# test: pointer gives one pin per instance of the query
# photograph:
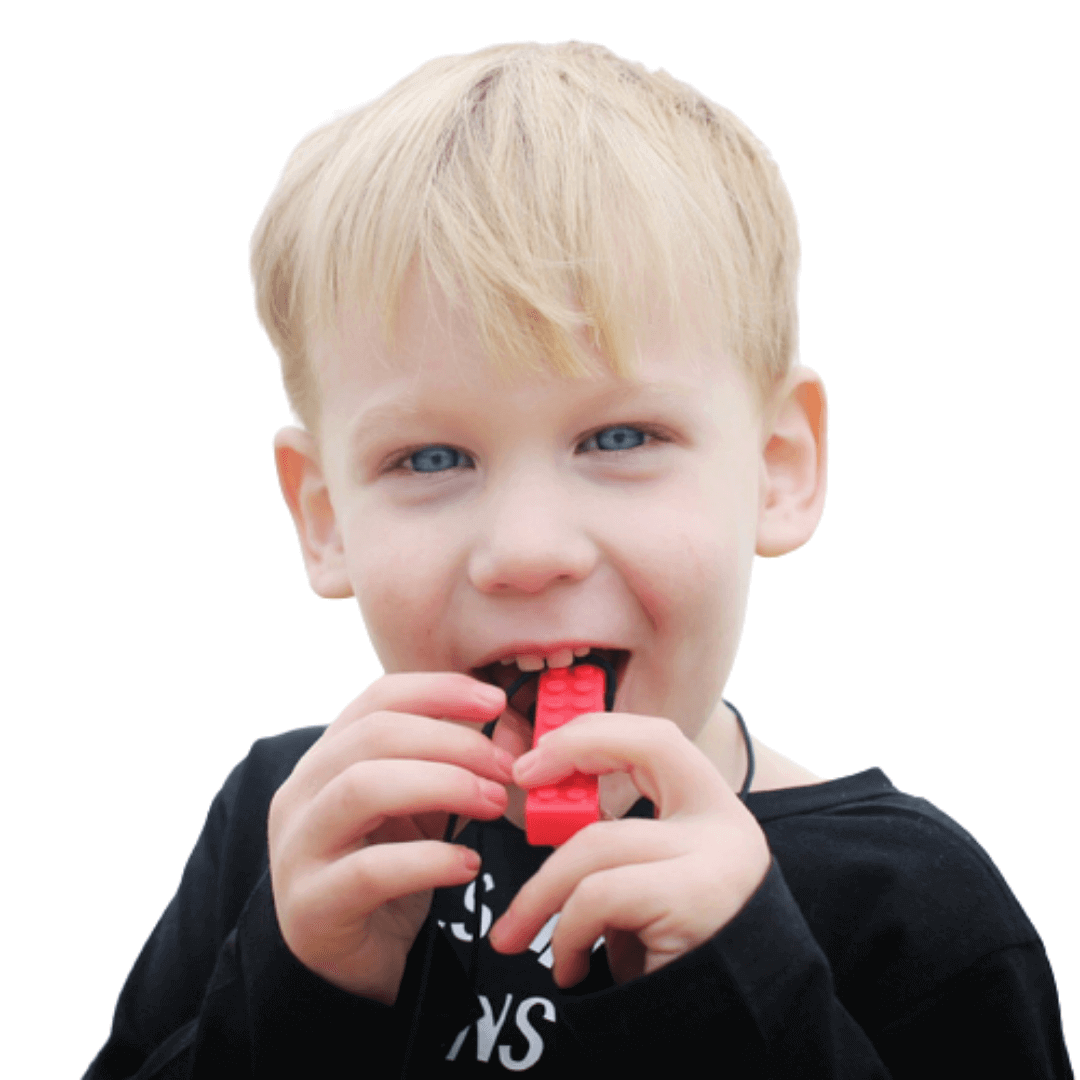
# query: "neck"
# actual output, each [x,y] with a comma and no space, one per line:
[721,741]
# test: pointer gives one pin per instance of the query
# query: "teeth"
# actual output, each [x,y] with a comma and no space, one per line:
[561,659]
[530,663]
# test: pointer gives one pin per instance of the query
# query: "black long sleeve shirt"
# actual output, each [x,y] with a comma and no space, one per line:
[883,942]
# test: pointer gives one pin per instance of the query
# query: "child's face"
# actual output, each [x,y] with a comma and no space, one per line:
[476,520]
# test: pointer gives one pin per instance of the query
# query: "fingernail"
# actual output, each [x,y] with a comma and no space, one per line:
[498,936]
[525,766]
[470,859]
[505,761]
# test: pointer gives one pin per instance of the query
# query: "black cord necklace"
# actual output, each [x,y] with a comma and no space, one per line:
[745,789]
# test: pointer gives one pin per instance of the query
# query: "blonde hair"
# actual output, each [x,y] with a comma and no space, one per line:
[559,189]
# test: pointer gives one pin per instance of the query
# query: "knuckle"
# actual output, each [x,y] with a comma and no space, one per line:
[345,798]
[281,817]
[664,730]
[374,731]
[593,893]
[661,738]
[380,721]
[365,878]
[671,729]
[350,790]
[357,708]
[277,811]
[597,839]
[303,923]
[385,733]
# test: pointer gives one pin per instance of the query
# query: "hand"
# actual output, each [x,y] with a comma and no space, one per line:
[355,833]
[655,889]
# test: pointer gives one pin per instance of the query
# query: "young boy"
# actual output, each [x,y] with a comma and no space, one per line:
[536,313]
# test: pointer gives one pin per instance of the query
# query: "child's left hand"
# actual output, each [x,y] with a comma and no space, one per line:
[654,888]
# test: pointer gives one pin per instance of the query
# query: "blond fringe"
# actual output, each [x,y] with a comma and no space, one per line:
[566,197]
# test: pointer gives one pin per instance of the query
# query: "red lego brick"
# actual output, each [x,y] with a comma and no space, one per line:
[555,812]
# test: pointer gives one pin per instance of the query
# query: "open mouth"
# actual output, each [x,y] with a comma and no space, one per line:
[504,675]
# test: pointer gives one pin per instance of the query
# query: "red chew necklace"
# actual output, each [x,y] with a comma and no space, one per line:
[555,812]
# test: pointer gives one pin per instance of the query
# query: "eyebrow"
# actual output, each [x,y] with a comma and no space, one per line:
[382,420]
[390,415]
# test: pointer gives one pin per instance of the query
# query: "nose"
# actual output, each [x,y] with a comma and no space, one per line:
[530,536]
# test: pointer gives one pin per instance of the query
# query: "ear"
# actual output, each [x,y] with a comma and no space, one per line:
[304,487]
[792,464]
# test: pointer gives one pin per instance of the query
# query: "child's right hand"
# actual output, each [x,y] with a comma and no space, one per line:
[355,833]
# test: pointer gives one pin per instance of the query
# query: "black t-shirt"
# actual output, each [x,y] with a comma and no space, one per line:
[520,1004]
[882,942]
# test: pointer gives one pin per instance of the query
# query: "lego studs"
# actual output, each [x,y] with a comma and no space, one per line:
[555,812]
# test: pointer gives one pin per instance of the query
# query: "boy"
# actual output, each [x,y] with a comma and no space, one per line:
[535,309]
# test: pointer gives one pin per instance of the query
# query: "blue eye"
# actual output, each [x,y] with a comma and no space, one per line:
[436,459]
[617,438]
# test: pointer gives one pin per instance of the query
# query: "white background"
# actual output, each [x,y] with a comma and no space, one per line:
[156,616]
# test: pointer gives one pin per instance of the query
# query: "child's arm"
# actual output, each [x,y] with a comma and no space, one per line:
[717,961]
[668,888]
[356,831]
[216,990]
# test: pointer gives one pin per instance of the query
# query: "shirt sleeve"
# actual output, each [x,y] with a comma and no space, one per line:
[215,991]
[760,1000]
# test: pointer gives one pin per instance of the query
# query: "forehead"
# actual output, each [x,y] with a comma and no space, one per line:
[437,361]
[433,341]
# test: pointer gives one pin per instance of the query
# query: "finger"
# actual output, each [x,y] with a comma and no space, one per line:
[442,694]
[390,735]
[672,908]
[365,795]
[663,763]
[596,848]
[352,888]
[513,733]
[624,898]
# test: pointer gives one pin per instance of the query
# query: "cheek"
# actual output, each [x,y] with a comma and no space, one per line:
[691,556]
[399,577]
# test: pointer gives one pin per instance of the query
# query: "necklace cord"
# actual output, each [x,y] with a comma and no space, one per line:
[745,789]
